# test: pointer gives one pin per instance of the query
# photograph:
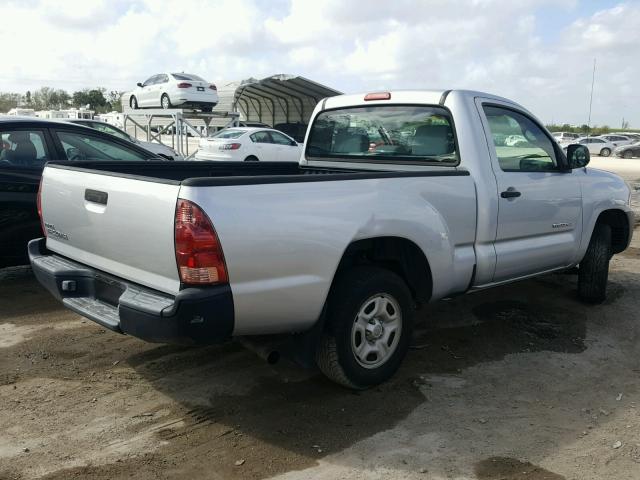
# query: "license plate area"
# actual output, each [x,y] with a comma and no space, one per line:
[200,89]
[108,291]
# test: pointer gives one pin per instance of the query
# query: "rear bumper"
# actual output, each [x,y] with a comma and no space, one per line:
[194,316]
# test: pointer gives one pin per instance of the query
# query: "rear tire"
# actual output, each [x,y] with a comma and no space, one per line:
[368,329]
[251,158]
[133,103]
[593,273]
[165,102]
[605,152]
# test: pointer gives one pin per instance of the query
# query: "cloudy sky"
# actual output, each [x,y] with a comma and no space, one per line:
[537,52]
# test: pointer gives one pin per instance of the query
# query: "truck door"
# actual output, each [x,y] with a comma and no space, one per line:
[539,205]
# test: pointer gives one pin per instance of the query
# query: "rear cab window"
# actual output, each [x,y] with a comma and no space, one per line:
[409,134]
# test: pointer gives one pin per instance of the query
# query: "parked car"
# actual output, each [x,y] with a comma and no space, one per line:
[171,90]
[635,137]
[27,143]
[249,144]
[563,137]
[328,258]
[515,141]
[156,148]
[596,145]
[628,151]
[616,140]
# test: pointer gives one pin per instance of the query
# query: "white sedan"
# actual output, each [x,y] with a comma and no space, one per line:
[169,90]
[249,145]
[596,145]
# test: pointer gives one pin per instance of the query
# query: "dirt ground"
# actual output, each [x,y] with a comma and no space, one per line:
[521,382]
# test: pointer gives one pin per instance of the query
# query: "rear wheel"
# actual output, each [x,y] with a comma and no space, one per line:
[593,273]
[368,330]
[605,152]
[133,103]
[628,154]
[165,102]
[251,158]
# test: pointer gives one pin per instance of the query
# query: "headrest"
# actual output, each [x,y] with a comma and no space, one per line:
[19,137]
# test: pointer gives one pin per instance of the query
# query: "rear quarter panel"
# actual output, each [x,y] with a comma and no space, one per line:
[283,241]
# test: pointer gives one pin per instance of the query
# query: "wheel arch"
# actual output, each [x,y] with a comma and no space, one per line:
[397,254]
[619,224]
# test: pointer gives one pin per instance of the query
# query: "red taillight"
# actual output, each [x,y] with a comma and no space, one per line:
[39,205]
[229,146]
[184,85]
[377,96]
[198,251]
[213,87]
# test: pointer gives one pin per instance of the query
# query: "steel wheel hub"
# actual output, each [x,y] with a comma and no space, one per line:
[376,330]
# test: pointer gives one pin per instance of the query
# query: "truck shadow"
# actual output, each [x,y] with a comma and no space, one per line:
[22,296]
[263,411]
[221,404]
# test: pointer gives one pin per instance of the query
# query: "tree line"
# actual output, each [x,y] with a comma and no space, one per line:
[47,98]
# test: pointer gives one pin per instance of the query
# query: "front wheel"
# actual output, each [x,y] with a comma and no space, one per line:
[593,272]
[133,103]
[368,330]
[628,154]
[605,152]
[206,108]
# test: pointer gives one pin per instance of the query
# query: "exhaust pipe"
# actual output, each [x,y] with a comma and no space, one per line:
[265,347]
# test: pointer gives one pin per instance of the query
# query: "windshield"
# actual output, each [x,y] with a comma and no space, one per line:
[186,76]
[398,133]
[229,134]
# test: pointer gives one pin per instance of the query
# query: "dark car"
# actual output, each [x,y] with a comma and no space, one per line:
[628,151]
[295,130]
[26,145]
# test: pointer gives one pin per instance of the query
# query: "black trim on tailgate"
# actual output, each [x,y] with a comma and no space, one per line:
[65,166]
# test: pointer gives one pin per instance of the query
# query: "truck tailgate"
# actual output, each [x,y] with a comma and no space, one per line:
[120,225]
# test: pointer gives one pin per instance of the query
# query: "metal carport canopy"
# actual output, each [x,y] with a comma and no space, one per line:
[279,99]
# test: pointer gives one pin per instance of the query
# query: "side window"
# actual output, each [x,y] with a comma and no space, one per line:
[163,78]
[81,147]
[23,148]
[280,139]
[526,147]
[261,137]
[150,81]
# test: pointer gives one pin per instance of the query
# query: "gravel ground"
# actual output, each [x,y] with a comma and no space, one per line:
[521,382]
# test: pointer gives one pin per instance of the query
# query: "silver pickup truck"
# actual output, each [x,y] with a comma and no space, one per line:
[400,198]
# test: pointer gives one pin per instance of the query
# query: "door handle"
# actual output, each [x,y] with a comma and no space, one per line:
[96,196]
[510,194]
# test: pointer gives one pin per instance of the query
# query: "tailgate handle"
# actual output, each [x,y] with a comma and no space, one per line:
[96,196]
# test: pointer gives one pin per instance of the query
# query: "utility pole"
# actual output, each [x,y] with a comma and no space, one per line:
[593,79]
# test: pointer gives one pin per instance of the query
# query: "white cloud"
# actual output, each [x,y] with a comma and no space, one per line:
[492,45]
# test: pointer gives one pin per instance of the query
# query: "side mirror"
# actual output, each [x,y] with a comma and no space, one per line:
[577,156]
[139,84]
